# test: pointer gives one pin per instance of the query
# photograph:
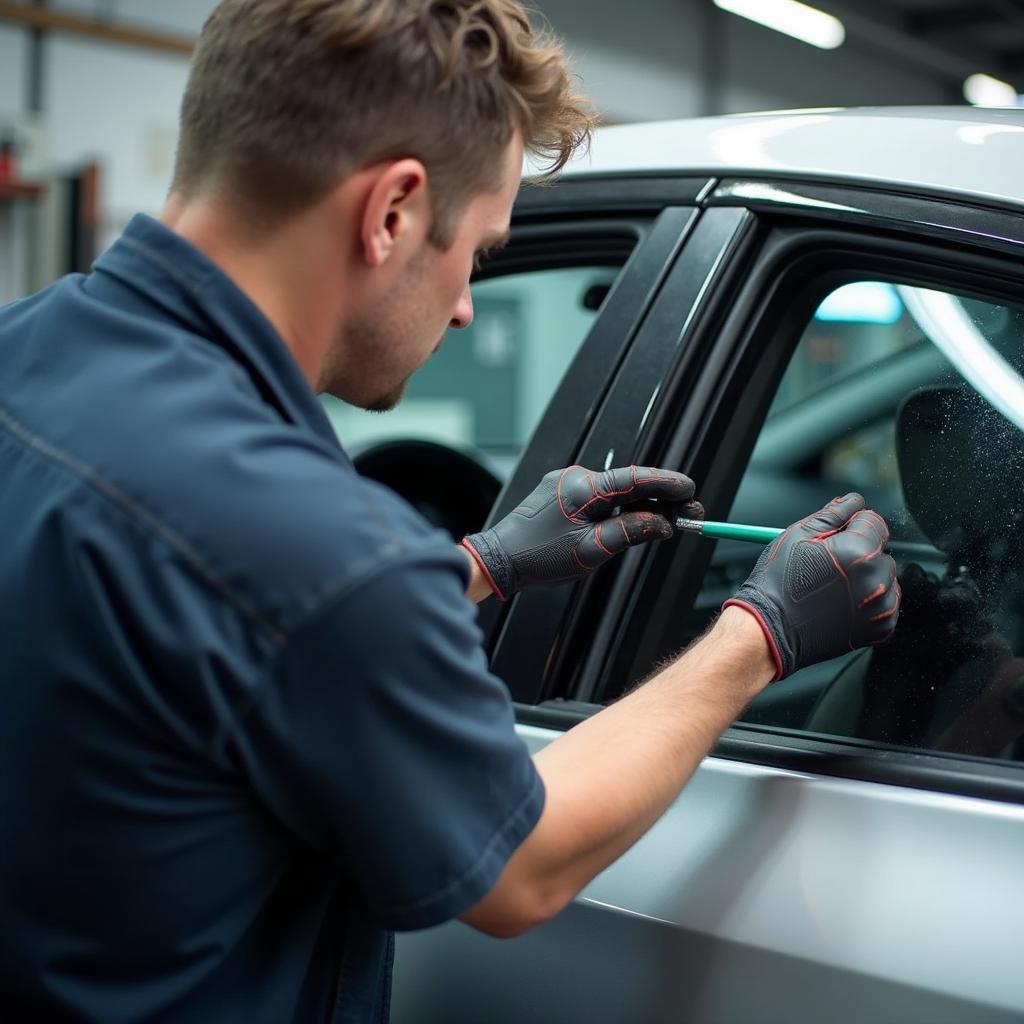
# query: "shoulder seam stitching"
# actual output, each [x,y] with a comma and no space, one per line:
[142,516]
[342,592]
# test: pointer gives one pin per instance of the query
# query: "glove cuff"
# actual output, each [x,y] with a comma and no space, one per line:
[492,561]
[773,646]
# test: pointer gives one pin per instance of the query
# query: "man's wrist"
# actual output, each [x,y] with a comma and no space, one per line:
[742,631]
[479,585]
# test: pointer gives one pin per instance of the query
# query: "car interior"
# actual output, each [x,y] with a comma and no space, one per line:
[942,456]
[962,624]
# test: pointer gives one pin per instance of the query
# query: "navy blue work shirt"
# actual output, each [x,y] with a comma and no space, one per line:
[246,724]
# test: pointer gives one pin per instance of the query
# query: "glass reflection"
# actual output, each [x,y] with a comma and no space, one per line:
[920,412]
[947,678]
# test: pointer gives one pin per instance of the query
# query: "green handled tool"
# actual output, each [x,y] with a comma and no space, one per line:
[730,531]
[766,534]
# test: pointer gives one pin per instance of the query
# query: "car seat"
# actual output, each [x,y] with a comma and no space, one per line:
[960,464]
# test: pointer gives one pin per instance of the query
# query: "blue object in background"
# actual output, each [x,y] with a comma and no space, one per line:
[865,302]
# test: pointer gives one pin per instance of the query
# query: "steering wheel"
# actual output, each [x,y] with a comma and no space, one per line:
[449,487]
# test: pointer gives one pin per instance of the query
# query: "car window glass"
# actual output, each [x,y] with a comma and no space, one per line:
[914,398]
[485,389]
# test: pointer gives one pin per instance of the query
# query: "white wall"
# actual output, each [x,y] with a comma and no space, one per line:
[13,54]
[182,17]
[108,102]
[120,106]
[642,60]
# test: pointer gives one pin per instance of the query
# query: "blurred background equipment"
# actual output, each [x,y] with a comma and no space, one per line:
[99,81]
[89,94]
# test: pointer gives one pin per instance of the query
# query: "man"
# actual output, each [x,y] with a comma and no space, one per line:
[246,725]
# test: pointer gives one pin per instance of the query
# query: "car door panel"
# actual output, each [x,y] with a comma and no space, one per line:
[746,903]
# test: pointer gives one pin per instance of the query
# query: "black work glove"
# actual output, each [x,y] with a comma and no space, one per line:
[824,587]
[565,528]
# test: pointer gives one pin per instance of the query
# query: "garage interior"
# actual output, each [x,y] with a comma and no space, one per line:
[782,262]
[89,91]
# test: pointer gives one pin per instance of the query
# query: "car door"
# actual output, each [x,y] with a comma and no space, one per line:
[850,850]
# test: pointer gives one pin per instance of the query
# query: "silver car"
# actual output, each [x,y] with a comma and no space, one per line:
[786,307]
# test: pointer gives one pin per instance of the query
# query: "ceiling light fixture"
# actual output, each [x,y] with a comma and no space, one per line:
[949,327]
[986,91]
[792,18]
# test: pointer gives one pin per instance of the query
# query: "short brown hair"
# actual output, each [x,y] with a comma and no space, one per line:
[287,97]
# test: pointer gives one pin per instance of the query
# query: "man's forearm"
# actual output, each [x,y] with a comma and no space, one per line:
[610,778]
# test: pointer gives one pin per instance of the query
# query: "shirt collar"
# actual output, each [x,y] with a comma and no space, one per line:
[176,276]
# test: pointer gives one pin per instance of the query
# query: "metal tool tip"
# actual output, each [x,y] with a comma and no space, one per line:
[692,525]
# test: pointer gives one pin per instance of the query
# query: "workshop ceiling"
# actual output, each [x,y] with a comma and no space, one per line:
[960,37]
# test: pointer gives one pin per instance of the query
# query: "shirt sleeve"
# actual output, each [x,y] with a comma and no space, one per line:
[385,740]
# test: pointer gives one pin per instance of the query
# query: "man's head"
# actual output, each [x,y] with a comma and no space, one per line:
[287,97]
[386,137]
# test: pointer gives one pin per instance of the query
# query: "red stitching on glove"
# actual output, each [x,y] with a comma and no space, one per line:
[585,568]
[597,538]
[857,533]
[483,568]
[778,543]
[835,561]
[827,534]
[671,479]
[558,493]
[874,595]
[868,557]
[872,512]
[599,497]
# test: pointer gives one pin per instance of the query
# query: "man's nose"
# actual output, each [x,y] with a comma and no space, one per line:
[463,315]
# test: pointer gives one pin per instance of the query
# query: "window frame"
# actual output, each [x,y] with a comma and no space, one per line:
[688,248]
[536,244]
[662,213]
[864,234]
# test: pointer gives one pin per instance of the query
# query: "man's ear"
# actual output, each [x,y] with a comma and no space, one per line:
[396,209]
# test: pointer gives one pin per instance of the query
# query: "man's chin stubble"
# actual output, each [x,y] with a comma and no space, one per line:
[387,402]
[390,400]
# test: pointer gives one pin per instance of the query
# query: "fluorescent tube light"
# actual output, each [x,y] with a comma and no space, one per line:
[986,91]
[864,302]
[792,18]
[947,325]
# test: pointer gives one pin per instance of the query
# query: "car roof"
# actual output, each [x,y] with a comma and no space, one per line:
[963,151]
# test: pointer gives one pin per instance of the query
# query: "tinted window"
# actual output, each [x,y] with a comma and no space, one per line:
[914,398]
